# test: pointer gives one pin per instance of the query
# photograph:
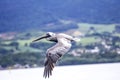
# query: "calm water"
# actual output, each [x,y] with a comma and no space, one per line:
[80,72]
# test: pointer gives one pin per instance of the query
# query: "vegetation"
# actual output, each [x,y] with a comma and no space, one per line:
[21,51]
[21,58]
[90,59]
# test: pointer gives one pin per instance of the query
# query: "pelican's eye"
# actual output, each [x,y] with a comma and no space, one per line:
[48,34]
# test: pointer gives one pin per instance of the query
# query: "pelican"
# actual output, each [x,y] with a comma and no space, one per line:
[53,54]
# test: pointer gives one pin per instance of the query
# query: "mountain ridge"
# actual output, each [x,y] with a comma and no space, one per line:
[24,14]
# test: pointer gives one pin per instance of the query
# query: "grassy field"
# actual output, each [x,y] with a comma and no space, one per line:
[84,27]
[89,40]
[22,46]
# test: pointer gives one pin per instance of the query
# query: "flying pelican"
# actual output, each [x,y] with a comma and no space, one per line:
[62,46]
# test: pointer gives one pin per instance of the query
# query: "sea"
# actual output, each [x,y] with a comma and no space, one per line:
[107,71]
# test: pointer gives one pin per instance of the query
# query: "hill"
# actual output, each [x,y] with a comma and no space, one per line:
[21,15]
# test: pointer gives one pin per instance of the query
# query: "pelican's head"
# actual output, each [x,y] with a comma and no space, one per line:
[51,34]
[48,36]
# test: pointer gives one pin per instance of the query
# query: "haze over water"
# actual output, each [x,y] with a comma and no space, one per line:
[79,72]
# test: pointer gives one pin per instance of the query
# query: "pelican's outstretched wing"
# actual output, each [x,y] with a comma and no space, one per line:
[49,64]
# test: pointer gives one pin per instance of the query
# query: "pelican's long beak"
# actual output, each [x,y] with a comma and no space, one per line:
[45,36]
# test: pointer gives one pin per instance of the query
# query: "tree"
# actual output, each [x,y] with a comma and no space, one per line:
[117,28]
[14,44]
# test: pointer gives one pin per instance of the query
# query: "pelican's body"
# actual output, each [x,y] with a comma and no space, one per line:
[55,52]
